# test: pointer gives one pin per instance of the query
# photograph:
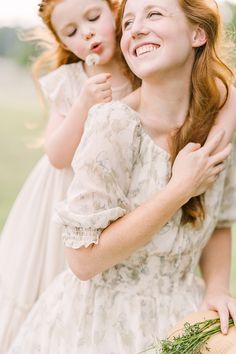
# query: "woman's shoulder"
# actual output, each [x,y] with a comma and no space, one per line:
[114,111]
[113,122]
[111,128]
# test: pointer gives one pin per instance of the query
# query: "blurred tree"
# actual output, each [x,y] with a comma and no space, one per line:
[11,46]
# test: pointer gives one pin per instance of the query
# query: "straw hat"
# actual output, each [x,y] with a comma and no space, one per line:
[218,343]
[232,350]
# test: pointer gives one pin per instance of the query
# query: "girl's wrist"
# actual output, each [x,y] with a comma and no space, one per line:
[82,106]
[85,101]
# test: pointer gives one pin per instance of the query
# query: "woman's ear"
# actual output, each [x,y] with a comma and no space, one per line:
[199,37]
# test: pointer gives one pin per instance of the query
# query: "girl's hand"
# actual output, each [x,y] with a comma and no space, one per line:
[196,168]
[219,300]
[97,89]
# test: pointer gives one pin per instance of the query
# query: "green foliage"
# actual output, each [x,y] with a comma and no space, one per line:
[11,46]
[18,153]
[193,339]
[232,24]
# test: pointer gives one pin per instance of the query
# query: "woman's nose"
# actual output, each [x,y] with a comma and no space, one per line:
[138,30]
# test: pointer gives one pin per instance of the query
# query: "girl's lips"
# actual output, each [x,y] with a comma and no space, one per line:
[98,48]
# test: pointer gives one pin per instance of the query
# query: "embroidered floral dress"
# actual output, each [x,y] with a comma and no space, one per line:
[31,251]
[118,167]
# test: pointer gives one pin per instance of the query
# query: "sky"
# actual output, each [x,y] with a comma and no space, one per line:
[24,12]
[19,12]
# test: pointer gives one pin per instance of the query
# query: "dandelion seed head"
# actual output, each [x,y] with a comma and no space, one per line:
[92,59]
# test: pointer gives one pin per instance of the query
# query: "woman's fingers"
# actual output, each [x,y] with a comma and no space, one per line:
[191,147]
[218,169]
[224,319]
[232,310]
[210,146]
[219,157]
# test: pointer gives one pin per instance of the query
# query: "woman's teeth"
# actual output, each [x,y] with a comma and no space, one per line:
[147,48]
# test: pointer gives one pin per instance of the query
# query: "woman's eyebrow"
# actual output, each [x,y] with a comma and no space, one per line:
[128,14]
[146,9]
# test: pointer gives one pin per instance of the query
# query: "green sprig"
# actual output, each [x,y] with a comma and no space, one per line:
[193,338]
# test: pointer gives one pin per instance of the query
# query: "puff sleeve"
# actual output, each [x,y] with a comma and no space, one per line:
[102,165]
[227,215]
[56,89]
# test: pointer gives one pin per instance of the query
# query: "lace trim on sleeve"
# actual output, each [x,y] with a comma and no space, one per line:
[77,237]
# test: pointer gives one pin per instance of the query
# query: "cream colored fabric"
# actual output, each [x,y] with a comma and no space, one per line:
[31,249]
[118,167]
[63,86]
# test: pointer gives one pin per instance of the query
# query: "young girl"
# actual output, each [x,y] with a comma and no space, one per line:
[31,251]
[133,228]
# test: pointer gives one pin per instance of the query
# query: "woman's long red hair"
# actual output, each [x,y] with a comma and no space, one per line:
[210,74]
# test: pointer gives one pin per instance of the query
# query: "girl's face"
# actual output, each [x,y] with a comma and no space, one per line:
[156,37]
[85,27]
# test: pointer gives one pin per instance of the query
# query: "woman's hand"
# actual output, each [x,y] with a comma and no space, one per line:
[196,168]
[97,89]
[220,300]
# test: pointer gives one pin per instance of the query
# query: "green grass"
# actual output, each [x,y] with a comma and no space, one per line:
[18,153]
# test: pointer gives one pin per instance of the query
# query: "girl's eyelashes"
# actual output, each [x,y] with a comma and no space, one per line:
[92,19]
[72,33]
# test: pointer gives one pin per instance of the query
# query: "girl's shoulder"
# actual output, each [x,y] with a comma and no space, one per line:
[73,71]
[64,83]
[64,73]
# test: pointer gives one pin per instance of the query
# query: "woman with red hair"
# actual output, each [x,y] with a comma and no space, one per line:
[150,198]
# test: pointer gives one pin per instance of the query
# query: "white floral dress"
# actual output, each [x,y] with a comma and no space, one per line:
[118,167]
[31,251]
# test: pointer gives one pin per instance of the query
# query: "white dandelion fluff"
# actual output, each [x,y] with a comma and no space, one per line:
[92,59]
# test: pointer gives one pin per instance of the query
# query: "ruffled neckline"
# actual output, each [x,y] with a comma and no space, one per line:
[164,153]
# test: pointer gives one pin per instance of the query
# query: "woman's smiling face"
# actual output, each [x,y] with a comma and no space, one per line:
[157,37]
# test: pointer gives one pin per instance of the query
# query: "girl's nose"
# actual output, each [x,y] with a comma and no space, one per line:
[89,34]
